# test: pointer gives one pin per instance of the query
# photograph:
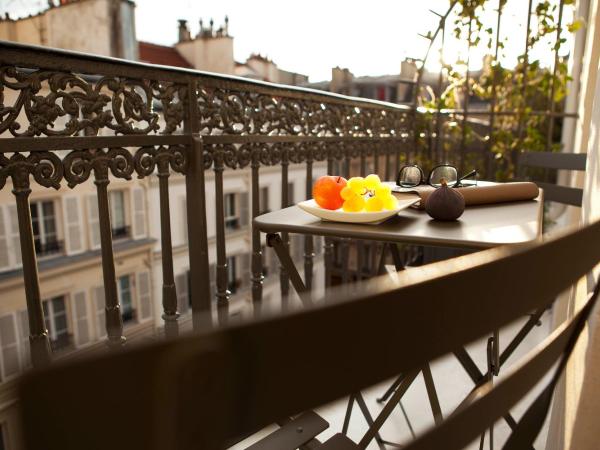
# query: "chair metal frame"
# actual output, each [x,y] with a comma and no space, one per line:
[203,390]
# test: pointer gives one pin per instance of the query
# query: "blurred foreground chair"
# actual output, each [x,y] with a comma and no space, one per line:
[209,390]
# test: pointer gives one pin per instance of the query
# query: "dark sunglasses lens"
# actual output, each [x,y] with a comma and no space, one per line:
[410,176]
[443,172]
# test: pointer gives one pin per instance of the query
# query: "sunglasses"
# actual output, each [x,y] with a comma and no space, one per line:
[412,175]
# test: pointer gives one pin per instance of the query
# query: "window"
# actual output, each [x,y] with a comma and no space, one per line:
[125,298]
[43,222]
[232,281]
[9,346]
[264,200]
[232,221]
[117,215]
[55,314]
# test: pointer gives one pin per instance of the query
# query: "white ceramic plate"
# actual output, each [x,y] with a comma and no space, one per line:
[339,215]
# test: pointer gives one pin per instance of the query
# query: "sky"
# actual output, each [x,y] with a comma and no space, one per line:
[369,37]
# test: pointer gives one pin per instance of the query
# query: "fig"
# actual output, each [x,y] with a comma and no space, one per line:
[445,203]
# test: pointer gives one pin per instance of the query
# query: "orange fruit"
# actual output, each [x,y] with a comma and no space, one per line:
[326,192]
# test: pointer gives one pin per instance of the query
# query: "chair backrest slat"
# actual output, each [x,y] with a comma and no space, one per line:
[552,160]
[281,365]
[561,194]
[490,402]
[391,326]
[556,161]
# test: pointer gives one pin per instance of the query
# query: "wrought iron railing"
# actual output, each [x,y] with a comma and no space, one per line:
[66,118]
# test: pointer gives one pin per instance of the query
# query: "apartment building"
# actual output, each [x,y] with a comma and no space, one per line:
[67,239]
[238,208]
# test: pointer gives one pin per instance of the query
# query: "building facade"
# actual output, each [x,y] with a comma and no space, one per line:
[66,226]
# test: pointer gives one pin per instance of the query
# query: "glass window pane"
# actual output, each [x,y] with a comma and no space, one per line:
[48,209]
[58,304]
[118,209]
[35,224]
[60,323]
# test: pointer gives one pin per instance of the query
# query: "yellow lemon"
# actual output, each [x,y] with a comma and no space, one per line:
[356,185]
[372,182]
[390,202]
[346,193]
[354,204]
[374,204]
[383,191]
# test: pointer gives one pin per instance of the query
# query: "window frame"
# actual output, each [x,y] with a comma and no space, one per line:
[231,220]
[43,245]
[119,230]
[233,283]
[130,314]
[50,317]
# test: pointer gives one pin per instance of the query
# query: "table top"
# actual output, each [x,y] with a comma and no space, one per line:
[479,227]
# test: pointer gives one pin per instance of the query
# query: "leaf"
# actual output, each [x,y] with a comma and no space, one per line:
[575,26]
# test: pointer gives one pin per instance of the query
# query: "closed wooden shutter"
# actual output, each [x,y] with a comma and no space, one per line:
[181,285]
[9,346]
[99,305]
[138,213]
[143,294]
[72,221]
[14,241]
[23,323]
[4,258]
[80,319]
[184,219]
[244,212]
[318,240]
[93,221]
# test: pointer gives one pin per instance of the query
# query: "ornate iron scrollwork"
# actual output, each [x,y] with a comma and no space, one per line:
[45,167]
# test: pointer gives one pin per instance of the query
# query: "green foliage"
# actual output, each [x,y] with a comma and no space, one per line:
[523,91]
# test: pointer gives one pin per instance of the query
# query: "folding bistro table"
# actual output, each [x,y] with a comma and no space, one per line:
[480,227]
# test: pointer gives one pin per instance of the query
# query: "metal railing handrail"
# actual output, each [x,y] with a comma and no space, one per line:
[16,54]
[204,121]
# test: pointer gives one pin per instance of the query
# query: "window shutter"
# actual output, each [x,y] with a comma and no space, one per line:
[24,338]
[4,259]
[318,244]
[99,302]
[184,221]
[244,261]
[80,319]
[144,297]
[212,276]
[72,229]
[14,236]
[181,284]
[9,346]
[138,213]
[93,221]
[244,209]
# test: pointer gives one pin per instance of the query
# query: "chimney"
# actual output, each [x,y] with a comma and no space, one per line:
[408,69]
[226,26]
[184,32]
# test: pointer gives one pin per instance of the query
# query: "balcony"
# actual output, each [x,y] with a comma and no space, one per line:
[70,121]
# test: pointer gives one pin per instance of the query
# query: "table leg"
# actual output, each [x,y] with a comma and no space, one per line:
[387,409]
[365,411]
[274,240]
[384,398]
[432,394]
